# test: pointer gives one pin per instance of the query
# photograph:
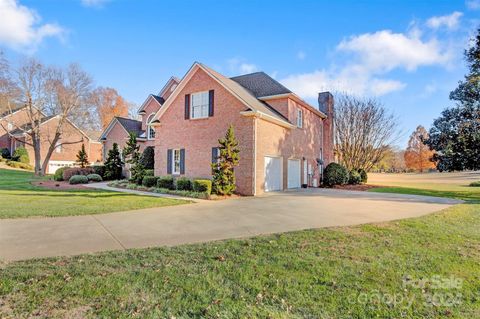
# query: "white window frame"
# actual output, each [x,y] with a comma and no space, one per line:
[150,128]
[9,126]
[204,108]
[300,118]
[174,171]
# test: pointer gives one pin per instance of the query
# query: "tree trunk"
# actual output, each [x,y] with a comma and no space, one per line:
[51,148]
[37,154]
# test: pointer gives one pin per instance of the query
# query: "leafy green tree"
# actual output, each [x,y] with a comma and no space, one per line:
[131,154]
[148,158]
[113,164]
[82,157]
[21,155]
[223,182]
[455,135]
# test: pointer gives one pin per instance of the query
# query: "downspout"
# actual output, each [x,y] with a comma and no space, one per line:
[254,156]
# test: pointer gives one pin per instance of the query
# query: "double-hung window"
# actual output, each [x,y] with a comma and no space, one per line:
[299,118]
[150,128]
[199,105]
[176,161]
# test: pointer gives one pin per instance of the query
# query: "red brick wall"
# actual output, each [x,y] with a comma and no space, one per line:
[295,143]
[67,152]
[18,118]
[198,136]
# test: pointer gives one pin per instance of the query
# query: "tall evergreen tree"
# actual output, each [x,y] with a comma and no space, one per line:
[131,154]
[113,164]
[223,182]
[82,157]
[455,135]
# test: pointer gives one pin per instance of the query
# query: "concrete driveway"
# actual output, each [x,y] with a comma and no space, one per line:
[206,221]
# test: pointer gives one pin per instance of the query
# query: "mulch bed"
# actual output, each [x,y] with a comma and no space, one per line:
[361,187]
[57,185]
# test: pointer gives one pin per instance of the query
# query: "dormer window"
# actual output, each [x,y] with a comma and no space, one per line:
[199,105]
[299,118]
[150,128]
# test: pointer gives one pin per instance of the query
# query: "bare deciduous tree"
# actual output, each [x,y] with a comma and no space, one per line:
[364,130]
[46,91]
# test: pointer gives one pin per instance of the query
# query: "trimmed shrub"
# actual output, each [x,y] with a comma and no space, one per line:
[58,176]
[475,184]
[148,172]
[99,170]
[184,184]
[19,165]
[21,155]
[363,175]
[335,174]
[71,171]
[149,181]
[202,186]
[354,178]
[78,179]
[148,158]
[166,182]
[94,178]
[5,153]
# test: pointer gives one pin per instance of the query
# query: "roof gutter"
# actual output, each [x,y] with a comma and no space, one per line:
[297,99]
[267,118]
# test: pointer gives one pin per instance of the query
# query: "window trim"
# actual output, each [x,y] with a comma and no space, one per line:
[150,127]
[174,172]
[207,105]
[299,118]
[58,147]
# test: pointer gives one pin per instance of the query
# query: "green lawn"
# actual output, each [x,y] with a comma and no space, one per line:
[19,198]
[345,272]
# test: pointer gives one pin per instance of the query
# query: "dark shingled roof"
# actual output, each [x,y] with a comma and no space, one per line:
[260,84]
[131,126]
[27,127]
[159,99]
[14,109]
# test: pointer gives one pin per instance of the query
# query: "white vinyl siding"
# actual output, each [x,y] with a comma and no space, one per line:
[199,105]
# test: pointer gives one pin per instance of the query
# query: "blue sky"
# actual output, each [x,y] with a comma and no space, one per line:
[408,54]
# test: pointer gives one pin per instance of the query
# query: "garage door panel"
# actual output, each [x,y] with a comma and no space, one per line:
[273,173]
[294,173]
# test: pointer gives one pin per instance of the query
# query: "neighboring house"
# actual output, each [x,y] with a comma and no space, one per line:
[119,129]
[65,154]
[284,142]
[9,121]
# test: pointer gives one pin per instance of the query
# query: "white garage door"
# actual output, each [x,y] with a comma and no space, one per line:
[294,173]
[54,165]
[273,173]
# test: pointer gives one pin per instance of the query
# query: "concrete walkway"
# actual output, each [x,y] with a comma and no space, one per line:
[104,186]
[206,221]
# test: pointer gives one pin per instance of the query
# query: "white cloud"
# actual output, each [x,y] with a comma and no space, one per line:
[385,50]
[450,21]
[301,55]
[94,3]
[240,66]
[370,57]
[473,4]
[350,80]
[20,27]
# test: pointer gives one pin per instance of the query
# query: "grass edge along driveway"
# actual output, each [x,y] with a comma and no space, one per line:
[19,198]
[343,272]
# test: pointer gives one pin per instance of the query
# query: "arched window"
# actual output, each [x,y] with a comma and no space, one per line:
[150,128]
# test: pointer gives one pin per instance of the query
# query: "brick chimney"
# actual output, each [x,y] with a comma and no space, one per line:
[326,105]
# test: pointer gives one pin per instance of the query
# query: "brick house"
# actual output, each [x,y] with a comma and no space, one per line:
[284,142]
[119,128]
[16,123]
